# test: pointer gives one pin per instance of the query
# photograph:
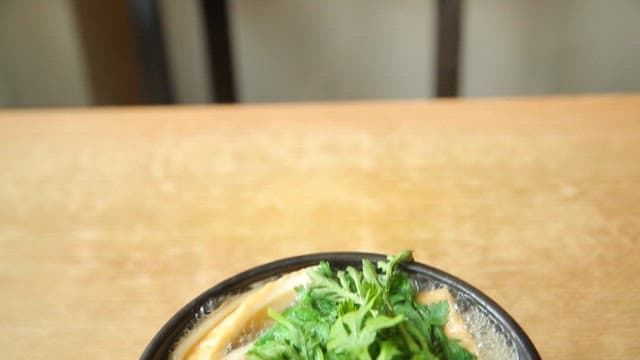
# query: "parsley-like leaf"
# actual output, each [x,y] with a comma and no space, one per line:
[367,313]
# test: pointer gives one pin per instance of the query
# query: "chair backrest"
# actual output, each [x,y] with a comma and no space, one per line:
[124,51]
[147,27]
[448,51]
[216,15]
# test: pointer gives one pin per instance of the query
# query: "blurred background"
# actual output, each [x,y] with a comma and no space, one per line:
[84,53]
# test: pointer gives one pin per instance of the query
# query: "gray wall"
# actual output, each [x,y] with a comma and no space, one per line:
[301,50]
[41,62]
[515,47]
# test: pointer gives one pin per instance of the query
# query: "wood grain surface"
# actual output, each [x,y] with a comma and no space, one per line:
[111,219]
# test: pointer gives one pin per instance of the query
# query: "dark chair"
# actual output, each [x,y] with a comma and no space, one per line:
[221,60]
[155,75]
[124,51]
[152,53]
[448,51]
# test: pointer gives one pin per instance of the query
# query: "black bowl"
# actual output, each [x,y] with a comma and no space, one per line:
[164,341]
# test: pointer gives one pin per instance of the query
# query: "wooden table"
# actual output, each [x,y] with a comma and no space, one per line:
[112,219]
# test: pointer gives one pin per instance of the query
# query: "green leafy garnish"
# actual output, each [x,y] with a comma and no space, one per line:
[368,313]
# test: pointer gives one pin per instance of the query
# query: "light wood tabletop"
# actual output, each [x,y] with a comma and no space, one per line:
[111,219]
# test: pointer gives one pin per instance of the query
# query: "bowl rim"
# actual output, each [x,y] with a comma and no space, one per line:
[165,338]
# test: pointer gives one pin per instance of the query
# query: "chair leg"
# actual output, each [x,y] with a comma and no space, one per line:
[448,47]
[220,57]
